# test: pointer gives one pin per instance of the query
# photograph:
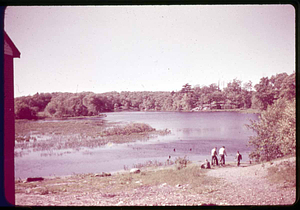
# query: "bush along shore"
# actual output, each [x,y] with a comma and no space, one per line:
[178,183]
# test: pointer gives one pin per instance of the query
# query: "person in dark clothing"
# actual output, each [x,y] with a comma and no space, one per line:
[238,158]
[214,158]
[206,164]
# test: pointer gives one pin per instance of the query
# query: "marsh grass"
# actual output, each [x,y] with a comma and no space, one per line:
[179,163]
[149,163]
[75,134]
[132,128]
[90,127]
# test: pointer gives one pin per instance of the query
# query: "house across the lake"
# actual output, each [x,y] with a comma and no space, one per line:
[215,105]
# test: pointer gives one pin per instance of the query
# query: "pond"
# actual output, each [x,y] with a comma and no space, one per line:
[193,134]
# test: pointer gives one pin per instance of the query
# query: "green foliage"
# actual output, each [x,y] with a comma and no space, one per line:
[276,131]
[269,90]
[247,94]
[23,111]
[256,103]
[233,93]
[186,88]
[276,81]
[90,104]
[27,107]
[218,96]
[264,92]
[66,105]
[288,87]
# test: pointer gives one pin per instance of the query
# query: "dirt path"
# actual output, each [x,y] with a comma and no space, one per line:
[246,185]
[250,186]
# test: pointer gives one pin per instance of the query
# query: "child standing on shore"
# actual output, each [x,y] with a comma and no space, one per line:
[238,158]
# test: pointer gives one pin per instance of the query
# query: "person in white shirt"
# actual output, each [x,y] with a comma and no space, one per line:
[214,158]
[222,154]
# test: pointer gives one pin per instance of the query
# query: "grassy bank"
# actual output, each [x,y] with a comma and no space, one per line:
[285,173]
[191,176]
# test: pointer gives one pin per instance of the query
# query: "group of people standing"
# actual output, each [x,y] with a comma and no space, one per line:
[222,153]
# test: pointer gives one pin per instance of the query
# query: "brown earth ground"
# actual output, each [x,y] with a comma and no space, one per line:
[255,184]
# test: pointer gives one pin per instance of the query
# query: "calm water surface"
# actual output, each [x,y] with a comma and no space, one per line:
[194,134]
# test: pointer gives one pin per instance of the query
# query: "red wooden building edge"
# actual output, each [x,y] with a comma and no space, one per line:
[9,131]
[10,52]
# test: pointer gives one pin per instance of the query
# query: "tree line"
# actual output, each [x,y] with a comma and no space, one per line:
[235,95]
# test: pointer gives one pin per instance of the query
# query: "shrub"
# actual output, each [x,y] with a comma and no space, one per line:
[181,162]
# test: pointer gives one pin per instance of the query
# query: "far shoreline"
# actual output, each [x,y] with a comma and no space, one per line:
[103,114]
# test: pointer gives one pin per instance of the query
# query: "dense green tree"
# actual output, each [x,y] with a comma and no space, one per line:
[256,103]
[168,103]
[278,86]
[39,101]
[186,102]
[135,102]
[264,92]
[56,107]
[75,106]
[59,105]
[101,103]
[233,93]
[23,111]
[288,87]
[217,96]
[275,132]
[177,104]
[149,103]
[87,102]
[276,82]
[188,98]
[205,94]
[186,88]
[247,94]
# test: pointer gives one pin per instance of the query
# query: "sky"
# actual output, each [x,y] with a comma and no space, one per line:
[147,48]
